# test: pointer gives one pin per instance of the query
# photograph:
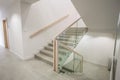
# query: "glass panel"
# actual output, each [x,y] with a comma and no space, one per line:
[78,63]
[67,60]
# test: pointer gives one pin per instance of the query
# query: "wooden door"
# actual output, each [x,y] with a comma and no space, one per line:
[5,33]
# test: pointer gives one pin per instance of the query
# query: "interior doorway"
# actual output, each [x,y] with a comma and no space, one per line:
[5,31]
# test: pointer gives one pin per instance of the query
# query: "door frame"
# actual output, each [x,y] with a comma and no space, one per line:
[5,31]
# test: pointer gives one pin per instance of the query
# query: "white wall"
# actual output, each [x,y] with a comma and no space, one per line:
[96,47]
[1,29]
[100,16]
[15,28]
[4,5]
[42,13]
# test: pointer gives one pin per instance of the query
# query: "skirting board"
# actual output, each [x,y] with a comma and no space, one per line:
[21,57]
[95,63]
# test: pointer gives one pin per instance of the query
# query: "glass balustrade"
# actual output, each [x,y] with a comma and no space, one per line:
[68,59]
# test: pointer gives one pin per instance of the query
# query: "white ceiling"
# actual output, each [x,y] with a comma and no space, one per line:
[98,14]
[6,3]
[95,13]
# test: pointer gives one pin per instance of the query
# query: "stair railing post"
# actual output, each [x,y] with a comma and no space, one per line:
[55,55]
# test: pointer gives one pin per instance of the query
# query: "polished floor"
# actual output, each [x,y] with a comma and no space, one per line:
[12,68]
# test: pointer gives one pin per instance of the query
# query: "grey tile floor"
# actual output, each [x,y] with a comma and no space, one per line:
[12,68]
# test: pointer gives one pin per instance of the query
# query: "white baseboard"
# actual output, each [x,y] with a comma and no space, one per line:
[17,54]
[21,57]
[28,57]
[95,63]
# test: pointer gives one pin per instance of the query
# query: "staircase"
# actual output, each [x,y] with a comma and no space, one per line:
[46,55]
[68,38]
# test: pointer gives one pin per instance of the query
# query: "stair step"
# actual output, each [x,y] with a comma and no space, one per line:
[64,69]
[74,34]
[69,66]
[74,31]
[62,48]
[49,48]
[71,42]
[50,44]
[72,37]
[67,43]
[47,52]
[63,51]
[66,39]
[67,36]
[45,58]
[78,29]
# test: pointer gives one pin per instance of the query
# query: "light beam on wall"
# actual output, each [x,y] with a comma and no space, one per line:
[15,19]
